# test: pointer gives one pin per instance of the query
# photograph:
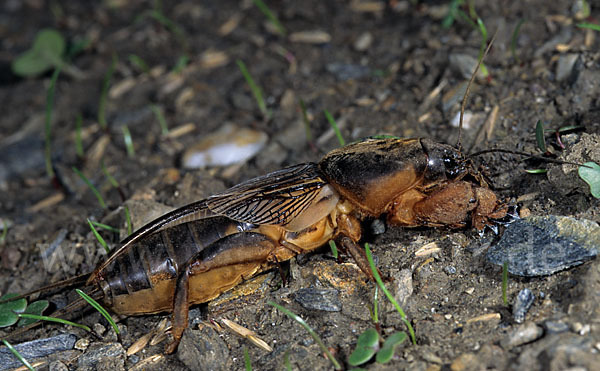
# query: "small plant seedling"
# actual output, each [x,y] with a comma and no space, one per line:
[312,332]
[590,173]
[505,283]
[591,26]
[247,363]
[335,128]
[128,141]
[45,54]
[270,16]
[11,311]
[334,250]
[540,138]
[91,186]
[138,62]
[256,90]
[161,119]
[98,237]
[99,308]
[368,345]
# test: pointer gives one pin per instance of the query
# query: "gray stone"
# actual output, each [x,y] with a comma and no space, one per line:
[325,299]
[542,245]
[523,334]
[403,285]
[522,304]
[36,349]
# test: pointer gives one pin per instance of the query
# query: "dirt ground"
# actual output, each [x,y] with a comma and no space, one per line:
[379,68]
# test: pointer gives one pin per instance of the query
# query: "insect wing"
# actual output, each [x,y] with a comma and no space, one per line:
[275,199]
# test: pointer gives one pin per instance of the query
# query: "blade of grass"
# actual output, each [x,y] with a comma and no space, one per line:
[54,319]
[376,306]
[48,126]
[513,40]
[99,308]
[312,333]
[18,355]
[286,360]
[505,283]
[334,250]
[128,141]
[138,62]
[247,364]
[78,141]
[306,121]
[335,128]
[452,12]
[98,237]
[128,219]
[182,61]
[591,26]
[256,90]
[272,18]
[161,118]
[484,36]
[539,136]
[113,182]
[388,294]
[104,226]
[91,186]
[104,93]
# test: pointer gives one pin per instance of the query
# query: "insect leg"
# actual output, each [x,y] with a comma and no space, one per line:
[217,268]
[357,253]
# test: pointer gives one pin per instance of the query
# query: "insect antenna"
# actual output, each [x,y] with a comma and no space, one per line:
[526,154]
[468,90]
[73,281]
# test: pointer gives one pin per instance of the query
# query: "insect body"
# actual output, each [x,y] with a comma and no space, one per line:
[195,253]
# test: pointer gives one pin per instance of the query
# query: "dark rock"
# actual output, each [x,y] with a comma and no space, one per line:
[326,299]
[542,245]
[203,350]
[522,305]
[103,356]
[36,349]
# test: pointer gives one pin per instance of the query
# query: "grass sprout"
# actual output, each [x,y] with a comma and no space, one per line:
[270,16]
[128,219]
[334,250]
[256,90]
[48,125]
[312,333]
[182,61]
[54,319]
[335,128]
[18,355]
[505,283]
[247,363]
[591,26]
[128,141]
[161,118]
[105,226]
[388,294]
[99,308]
[306,121]
[91,186]
[104,93]
[98,237]
[513,40]
[78,141]
[138,62]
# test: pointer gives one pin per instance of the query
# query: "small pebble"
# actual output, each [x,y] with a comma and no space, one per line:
[377,227]
[450,269]
[325,299]
[227,146]
[523,334]
[363,42]
[82,344]
[555,327]
[99,329]
[522,304]
[403,285]
[470,290]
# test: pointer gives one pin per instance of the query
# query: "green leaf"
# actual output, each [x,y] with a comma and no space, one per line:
[45,53]
[37,308]
[366,346]
[539,136]
[590,173]
[8,316]
[387,351]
